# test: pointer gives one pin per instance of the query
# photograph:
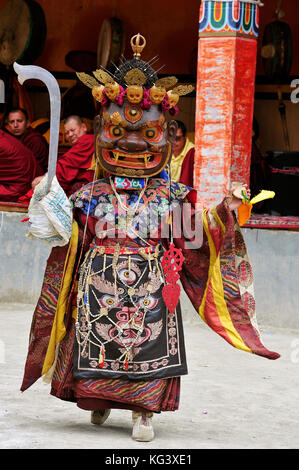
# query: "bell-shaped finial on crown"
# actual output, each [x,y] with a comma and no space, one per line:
[138,43]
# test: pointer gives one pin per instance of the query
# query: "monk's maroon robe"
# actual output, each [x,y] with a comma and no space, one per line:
[18,167]
[38,146]
[73,166]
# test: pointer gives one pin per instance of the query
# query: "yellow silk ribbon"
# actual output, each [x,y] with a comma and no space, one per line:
[58,328]
[215,286]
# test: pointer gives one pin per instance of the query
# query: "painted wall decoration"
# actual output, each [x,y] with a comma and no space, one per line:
[229,17]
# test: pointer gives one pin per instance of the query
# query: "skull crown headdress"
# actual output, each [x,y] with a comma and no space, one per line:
[136,81]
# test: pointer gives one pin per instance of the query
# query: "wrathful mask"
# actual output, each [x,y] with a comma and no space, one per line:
[132,136]
[137,144]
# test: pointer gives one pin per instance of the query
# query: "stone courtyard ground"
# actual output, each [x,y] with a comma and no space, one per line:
[229,400]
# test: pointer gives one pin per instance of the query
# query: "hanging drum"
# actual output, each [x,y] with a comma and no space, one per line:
[22,32]
[277,50]
[111,42]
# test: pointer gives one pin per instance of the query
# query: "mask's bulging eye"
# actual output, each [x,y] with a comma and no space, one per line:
[115,132]
[133,113]
[152,134]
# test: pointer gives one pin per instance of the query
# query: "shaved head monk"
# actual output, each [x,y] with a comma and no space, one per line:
[18,125]
[73,168]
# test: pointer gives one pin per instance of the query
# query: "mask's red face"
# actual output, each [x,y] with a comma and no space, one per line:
[131,141]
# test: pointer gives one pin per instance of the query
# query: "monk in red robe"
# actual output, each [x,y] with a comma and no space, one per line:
[73,168]
[18,125]
[18,167]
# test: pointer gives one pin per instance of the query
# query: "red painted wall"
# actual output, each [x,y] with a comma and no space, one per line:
[170,27]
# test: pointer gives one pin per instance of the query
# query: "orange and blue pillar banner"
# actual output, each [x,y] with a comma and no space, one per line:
[227,49]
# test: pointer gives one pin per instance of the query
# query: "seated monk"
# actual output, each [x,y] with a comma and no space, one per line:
[73,168]
[18,167]
[18,125]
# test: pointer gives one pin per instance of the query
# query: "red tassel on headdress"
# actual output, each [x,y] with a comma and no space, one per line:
[172,263]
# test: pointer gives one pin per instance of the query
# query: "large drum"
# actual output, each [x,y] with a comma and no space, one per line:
[277,50]
[111,42]
[22,32]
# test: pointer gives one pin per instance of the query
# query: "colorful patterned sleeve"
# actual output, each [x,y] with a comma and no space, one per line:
[217,278]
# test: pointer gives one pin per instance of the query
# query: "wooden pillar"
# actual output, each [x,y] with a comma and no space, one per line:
[227,48]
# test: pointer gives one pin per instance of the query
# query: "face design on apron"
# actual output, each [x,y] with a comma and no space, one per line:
[135,300]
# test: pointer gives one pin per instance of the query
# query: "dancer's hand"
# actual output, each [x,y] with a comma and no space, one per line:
[36,180]
[237,194]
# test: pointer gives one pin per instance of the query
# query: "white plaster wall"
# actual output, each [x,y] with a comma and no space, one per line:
[22,260]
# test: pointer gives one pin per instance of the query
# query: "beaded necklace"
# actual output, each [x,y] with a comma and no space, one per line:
[130,210]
